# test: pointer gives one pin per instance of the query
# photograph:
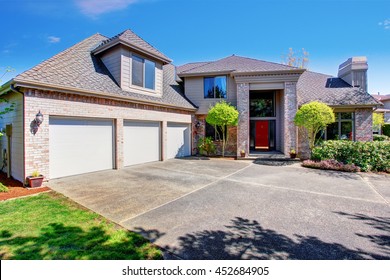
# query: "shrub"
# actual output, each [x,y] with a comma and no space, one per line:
[368,156]
[3,188]
[381,138]
[386,129]
[206,146]
[330,164]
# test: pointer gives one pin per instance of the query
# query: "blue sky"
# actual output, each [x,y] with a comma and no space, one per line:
[188,30]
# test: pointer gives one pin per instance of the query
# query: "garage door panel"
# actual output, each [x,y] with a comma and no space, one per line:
[141,142]
[79,146]
[178,140]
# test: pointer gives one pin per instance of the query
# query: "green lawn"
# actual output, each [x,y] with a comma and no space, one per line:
[49,226]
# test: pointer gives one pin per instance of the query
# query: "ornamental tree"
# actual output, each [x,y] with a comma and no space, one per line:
[314,117]
[378,120]
[222,115]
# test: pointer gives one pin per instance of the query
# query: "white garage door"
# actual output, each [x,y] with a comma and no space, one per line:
[141,142]
[79,146]
[179,141]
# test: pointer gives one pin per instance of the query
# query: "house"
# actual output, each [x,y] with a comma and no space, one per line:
[267,96]
[108,103]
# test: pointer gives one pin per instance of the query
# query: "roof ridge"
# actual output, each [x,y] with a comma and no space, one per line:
[255,59]
[45,63]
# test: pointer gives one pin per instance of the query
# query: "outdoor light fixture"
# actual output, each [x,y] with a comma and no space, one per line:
[39,118]
[197,125]
[36,123]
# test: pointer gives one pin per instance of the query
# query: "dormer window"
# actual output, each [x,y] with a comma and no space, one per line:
[143,72]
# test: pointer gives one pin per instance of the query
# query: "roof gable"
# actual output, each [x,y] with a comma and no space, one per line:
[77,70]
[132,40]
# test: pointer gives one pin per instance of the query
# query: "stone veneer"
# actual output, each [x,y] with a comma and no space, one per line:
[243,119]
[73,105]
[290,110]
[363,124]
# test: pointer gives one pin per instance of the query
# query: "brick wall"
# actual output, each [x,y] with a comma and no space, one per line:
[363,124]
[71,105]
[243,118]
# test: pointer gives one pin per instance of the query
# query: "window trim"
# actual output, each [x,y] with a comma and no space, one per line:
[143,87]
[339,120]
[227,85]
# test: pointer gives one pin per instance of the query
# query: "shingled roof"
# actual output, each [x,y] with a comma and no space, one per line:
[232,64]
[132,40]
[330,90]
[77,69]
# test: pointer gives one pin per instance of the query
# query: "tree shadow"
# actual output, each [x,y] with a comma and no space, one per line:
[59,242]
[382,239]
[247,239]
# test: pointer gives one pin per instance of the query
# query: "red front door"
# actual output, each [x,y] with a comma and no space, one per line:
[262,141]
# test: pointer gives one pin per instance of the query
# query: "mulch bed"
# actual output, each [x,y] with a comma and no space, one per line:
[16,188]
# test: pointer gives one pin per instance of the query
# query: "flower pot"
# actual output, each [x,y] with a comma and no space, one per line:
[293,155]
[35,182]
[242,154]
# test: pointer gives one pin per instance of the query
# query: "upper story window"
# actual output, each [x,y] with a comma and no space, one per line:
[143,72]
[215,87]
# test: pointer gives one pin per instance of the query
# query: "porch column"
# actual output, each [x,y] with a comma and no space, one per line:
[290,109]
[164,140]
[243,118]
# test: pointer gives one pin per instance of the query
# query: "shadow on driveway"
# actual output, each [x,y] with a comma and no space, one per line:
[247,239]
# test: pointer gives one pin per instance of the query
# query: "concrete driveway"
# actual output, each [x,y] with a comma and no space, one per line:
[225,209]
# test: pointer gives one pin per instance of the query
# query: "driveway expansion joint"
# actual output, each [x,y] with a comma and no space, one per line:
[187,194]
[368,183]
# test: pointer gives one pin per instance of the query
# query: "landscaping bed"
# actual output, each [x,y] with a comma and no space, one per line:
[16,188]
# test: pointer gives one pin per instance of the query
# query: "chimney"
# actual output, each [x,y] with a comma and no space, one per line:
[354,72]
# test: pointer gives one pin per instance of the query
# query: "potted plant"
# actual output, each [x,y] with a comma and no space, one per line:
[293,153]
[242,152]
[35,180]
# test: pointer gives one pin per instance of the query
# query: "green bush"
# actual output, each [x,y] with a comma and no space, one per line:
[386,129]
[368,156]
[3,188]
[206,146]
[381,138]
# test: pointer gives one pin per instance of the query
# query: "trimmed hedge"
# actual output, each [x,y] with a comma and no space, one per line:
[330,164]
[386,129]
[381,138]
[368,156]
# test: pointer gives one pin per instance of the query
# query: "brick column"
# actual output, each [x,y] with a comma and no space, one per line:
[243,118]
[119,157]
[290,109]
[363,124]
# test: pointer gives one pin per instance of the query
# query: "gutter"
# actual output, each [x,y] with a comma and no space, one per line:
[71,90]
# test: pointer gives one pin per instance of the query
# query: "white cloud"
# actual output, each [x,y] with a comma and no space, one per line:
[94,8]
[385,23]
[53,39]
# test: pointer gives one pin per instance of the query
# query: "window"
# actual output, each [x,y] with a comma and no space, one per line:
[143,72]
[262,104]
[215,87]
[342,129]
[214,132]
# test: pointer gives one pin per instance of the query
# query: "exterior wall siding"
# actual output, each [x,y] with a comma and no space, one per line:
[70,105]
[16,119]
[194,91]
[112,60]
